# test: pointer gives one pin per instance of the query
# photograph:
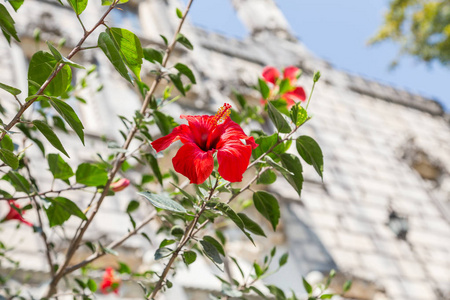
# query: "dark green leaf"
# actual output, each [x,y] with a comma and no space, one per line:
[267,177]
[215,243]
[285,86]
[251,225]
[292,164]
[92,285]
[10,89]
[263,88]
[60,210]
[283,259]
[9,158]
[189,257]
[153,162]
[307,286]
[268,206]
[258,270]
[111,51]
[59,168]
[162,252]
[257,291]
[124,268]
[183,69]
[91,175]
[78,6]
[267,142]
[177,231]
[153,55]
[310,151]
[186,194]
[42,65]
[132,206]
[130,47]
[163,202]
[166,242]
[177,83]
[58,56]
[184,41]
[278,119]
[70,116]
[17,181]
[277,292]
[50,135]
[211,252]
[7,23]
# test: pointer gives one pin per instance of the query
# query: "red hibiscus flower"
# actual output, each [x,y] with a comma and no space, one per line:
[120,185]
[291,96]
[13,214]
[110,282]
[205,136]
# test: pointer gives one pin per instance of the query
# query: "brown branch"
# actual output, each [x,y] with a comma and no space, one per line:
[45,193]
[116,165]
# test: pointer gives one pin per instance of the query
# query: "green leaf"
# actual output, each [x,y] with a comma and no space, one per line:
[298,114]
[310,151]
[215,243]
[277,292]
[183,69]
[263,88]
[17,181]
[179,13]
[124,268]
[42,65]
[16,4]
[184,41]
[130,47]
[189,257]
[9,158]
[307,286]
[285,86]
[153,162]
[92,285]
[227,210]
[59,57]
[60,210]
[166,242]
[59,168]
[258,270]
[164,122]
[267,142]
[69,115]
[10,89]
[347,285]
[7,24]
[109,2]
[162,252]
[267,177]
[163,202]
[78,6]
[268,206]
[153,55]
[111,51]
[211,252]
[283,259]
[50,135]
[91,175]
[257,291]
[278,120]
[132,206]
[7,143]
[326,296]
[292,164]
[251,225]
[177,83]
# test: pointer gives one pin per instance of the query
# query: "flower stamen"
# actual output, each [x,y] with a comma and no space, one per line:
[221,114]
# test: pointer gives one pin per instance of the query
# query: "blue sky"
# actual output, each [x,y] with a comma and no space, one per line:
[338,32]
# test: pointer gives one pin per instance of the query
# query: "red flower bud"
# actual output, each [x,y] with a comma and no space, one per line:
[120,185]
[110,282]
[13,214]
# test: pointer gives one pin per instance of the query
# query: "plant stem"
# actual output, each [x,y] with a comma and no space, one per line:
[117,162]
[45,193]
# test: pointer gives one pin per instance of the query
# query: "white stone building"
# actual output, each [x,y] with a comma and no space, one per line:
[385,150]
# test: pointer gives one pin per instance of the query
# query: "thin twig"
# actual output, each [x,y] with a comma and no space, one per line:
[72,188]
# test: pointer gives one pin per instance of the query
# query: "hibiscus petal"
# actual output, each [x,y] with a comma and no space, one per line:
[182,132]
[294,96]
[229,131]
[291,73]
[270,74]
[194,163]
[233,160]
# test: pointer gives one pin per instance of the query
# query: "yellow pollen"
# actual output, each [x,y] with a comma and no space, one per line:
[222,114]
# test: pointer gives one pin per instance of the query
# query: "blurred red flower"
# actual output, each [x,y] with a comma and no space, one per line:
[120,185]
[110,282]
[204,136]
[14,213]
